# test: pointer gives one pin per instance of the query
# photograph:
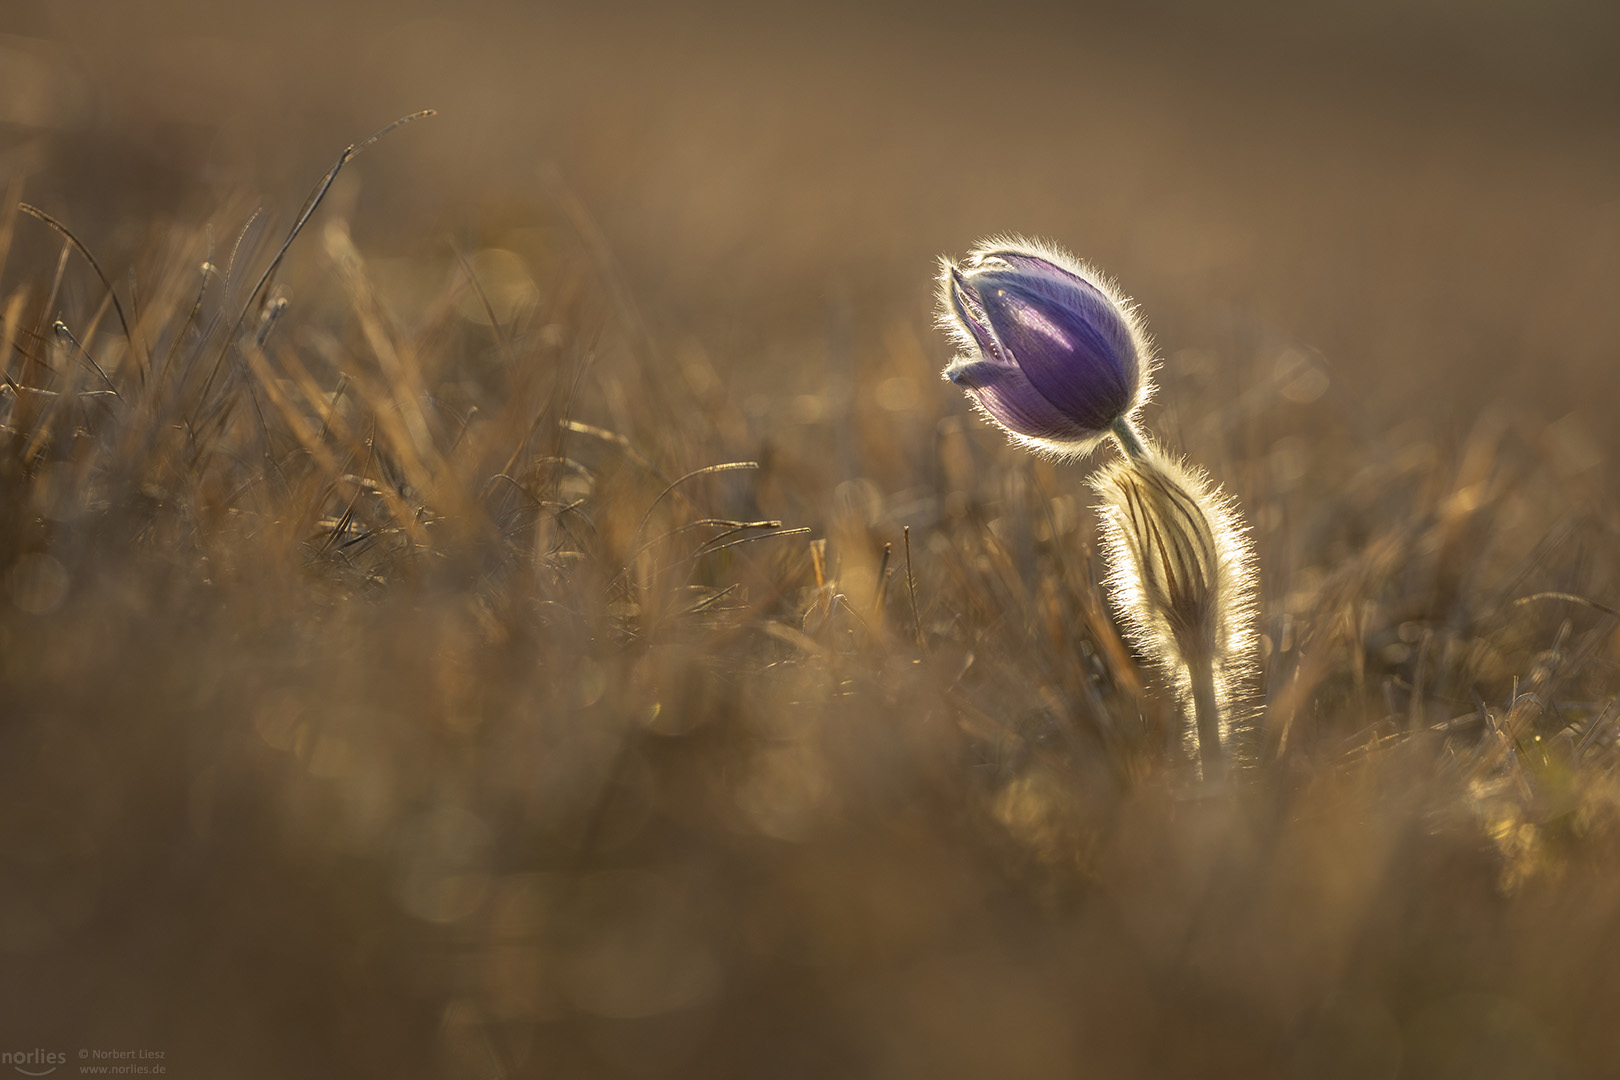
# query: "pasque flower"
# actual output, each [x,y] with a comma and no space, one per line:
[1053,354]
[1181,578]
[1056,357]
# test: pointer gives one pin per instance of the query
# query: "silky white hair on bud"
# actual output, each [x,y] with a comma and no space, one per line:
[998,248]
[994,247]
[1181,577]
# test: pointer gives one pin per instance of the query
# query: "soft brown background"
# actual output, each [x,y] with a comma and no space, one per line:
[469,806]
[1424,192]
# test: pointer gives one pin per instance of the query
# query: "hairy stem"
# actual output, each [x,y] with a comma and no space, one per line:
[1129,441]
[1206,714]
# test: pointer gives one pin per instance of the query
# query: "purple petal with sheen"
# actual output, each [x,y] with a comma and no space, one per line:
[1069,339]
[1023,260]
[1012,400]
[970,313]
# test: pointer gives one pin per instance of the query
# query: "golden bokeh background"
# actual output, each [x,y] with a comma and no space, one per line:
[382,700]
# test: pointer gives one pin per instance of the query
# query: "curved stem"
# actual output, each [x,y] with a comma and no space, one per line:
[1206,714]
[1129,441]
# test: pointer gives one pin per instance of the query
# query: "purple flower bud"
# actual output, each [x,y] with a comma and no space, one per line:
[1053,354]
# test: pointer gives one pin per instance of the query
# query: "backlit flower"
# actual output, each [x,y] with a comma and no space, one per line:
[1052,353]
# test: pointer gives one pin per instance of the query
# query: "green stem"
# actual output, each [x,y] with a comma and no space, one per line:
[1129,441]
[1206,714]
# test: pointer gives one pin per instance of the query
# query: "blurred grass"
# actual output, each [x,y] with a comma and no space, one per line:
[396,685]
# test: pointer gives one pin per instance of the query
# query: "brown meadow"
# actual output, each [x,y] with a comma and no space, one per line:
[556,622]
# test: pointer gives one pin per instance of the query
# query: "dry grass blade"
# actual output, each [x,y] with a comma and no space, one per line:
[730,526]
[311,204]
[61,329]
[730,466]
[8,215]
[615,439]
[711,547]
[489,309]
[911,587]
[1568,598]
[112,294]
[8,328]
[1596,727]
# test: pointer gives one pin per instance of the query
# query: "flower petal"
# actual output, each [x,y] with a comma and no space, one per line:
[1023,260]
[969,311]
[1069,338]
[1011,400]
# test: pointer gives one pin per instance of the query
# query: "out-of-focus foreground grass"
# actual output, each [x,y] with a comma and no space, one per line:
[494,648]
